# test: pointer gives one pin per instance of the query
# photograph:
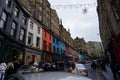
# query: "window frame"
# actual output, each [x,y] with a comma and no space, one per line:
[44,34]
[31,25]
[16,12]
[38,42]
[50,47]
[13,28]
[30,35]
[24,19]
[45,45]
[38,29]
[22,34]
[3,20]
[29,6]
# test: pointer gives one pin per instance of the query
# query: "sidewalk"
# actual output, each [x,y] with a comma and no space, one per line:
[108,75]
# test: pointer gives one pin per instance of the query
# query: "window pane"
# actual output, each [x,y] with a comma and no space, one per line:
[21,37]
[13,28]
[16,12]
[1,24]
[4,16]
[31,25]
[29,7]
[30,38]
[22,33]
[44,34]
[12,32]
[37,42]
[24,20]
[3,20]
[13,25]
[40,18]
[40,9]
[38,30]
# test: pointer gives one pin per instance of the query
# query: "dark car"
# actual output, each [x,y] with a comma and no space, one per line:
[49,67]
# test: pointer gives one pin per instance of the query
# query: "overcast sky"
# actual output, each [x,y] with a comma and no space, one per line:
[82,25]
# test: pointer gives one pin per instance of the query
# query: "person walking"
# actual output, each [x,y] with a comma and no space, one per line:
[16,65]
[3,68]
[103,65]
[93,65]
[9,70]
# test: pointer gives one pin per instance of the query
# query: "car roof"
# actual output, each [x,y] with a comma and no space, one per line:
[53,76]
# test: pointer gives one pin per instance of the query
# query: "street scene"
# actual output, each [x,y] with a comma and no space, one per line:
[60,39]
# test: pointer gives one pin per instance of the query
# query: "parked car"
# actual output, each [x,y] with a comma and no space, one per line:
[28,69]
[49,67]
[58,75]
[80,70]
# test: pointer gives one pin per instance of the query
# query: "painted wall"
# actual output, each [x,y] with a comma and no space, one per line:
[55,44]
[47,38]
[34,32]
[66,50]
[81,57]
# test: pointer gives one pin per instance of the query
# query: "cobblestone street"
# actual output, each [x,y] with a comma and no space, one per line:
[94,74]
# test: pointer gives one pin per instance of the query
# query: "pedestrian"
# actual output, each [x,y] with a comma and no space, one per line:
[16,65]
[93,65]
[3,68]
[73,65]
[103,65]
[9,70]
[35,64]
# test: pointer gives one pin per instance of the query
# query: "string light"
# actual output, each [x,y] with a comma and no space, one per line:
[84,7]
[76,6]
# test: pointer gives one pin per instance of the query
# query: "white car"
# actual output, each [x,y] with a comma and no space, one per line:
[80,70]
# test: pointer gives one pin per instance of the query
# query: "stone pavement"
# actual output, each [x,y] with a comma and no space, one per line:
[108,75]
[99,75]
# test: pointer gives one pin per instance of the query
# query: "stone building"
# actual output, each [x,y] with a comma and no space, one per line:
[54,22]
[33,41]
[13,30]
[80,44]
[62,31]
[40,9]
[109,25]
[95,49]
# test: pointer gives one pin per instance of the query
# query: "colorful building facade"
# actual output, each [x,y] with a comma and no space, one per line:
[33,41]
[46,45]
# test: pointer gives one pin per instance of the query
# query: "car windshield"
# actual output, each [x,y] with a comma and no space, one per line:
[80,66]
